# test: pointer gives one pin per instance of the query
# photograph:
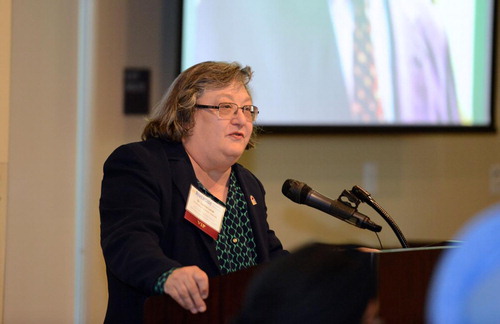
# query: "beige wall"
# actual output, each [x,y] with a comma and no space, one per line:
[431,184]
[40,233]
[5,15]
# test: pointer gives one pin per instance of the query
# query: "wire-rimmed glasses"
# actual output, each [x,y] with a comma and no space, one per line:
[227,110]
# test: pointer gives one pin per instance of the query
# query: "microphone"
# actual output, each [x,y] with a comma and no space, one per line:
[301,193]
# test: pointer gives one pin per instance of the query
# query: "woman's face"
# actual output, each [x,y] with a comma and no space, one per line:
[219,143]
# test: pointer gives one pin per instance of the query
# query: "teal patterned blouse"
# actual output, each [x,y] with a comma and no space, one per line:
[235,245]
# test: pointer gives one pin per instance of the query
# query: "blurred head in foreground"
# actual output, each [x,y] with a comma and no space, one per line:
[318,283]
[466,284]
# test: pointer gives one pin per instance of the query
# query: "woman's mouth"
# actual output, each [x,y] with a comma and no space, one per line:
[237,135]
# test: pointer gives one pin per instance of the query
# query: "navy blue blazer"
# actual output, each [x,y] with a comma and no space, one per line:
[143,230]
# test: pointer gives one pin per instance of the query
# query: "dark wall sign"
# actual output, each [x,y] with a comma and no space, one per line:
[137,91]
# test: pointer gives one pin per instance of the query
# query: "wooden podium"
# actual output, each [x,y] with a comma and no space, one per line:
[403,279]
[225,298]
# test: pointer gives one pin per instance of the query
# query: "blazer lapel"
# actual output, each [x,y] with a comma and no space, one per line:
[256,208]
[183,177]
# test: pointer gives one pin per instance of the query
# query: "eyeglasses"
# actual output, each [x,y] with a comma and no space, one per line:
[228,110]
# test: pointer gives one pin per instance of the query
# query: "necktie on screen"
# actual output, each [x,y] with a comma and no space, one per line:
[366,104]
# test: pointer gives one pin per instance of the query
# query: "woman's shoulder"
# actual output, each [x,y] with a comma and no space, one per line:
[153,147]
[152,151]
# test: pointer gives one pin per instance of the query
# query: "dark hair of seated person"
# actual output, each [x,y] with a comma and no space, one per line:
[318,283]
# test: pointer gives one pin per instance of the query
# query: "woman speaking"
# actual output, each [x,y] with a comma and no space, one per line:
[177,208]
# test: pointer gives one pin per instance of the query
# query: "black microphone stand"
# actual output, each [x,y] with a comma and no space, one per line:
[359,193]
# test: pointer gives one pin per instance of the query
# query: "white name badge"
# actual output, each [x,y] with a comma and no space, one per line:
[204,213]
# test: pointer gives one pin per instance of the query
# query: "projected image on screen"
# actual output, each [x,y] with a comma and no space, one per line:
[353,62]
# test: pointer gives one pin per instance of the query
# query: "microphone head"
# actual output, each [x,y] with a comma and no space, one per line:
[295,190]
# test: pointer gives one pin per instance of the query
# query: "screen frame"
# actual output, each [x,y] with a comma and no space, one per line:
[491,127]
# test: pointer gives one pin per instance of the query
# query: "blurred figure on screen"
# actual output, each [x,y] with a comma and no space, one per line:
[395,61]
[316,284]
[304,52]
[466,285]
